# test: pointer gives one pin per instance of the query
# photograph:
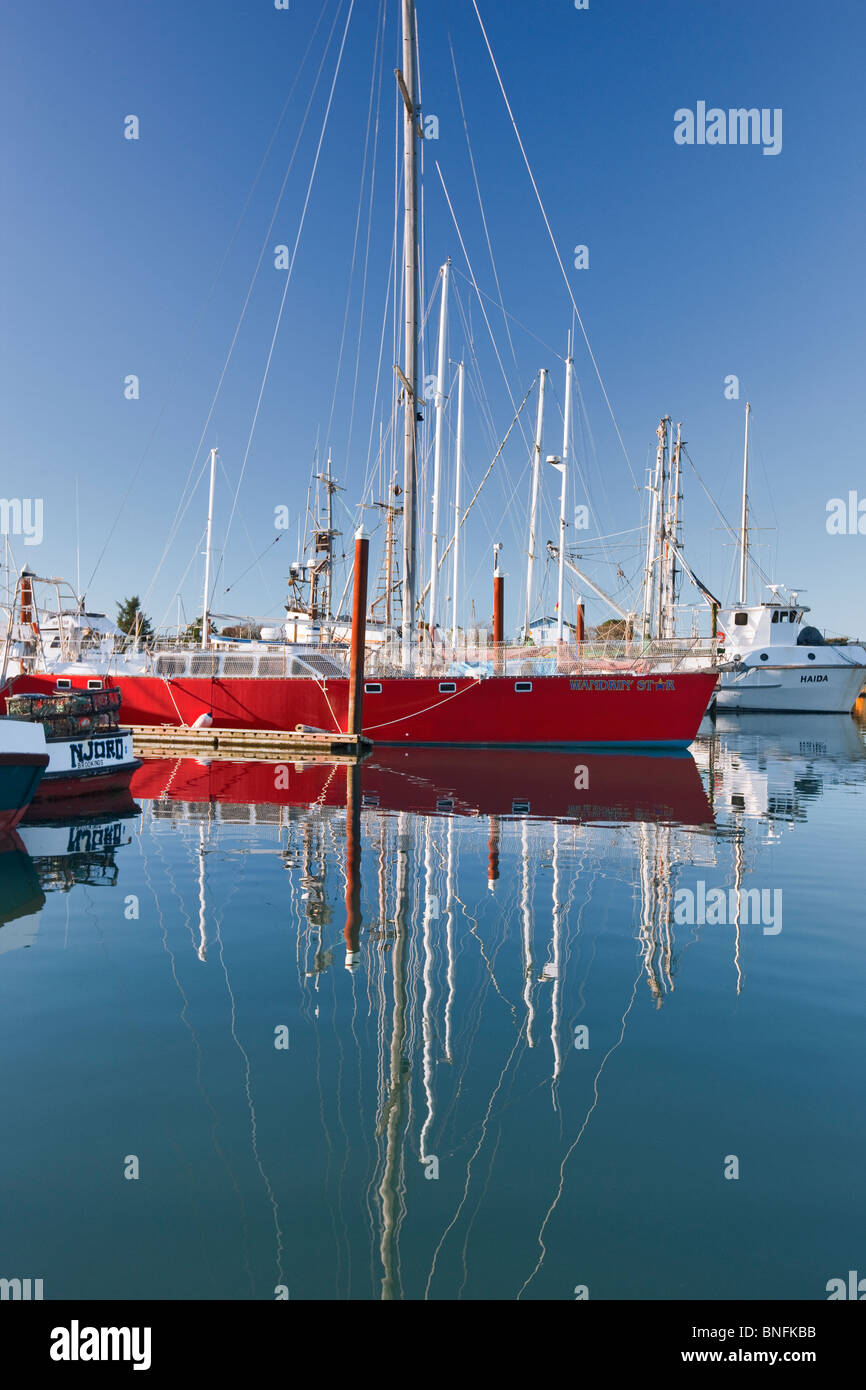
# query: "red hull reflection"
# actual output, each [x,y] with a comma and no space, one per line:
[578,786]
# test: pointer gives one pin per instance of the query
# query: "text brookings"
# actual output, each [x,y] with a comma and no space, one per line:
[95,750]
[76,1343]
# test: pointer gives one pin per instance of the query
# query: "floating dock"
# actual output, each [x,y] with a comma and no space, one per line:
[260,745]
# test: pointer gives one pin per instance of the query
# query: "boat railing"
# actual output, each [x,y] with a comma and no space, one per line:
[564,658]
[472,657]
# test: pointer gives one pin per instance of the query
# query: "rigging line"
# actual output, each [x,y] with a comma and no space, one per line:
[554,352]
[377,68]
[475,286]
[367,246]
[477,492]
[222,557]
[177,593]
[229,587]
[390,276]
[214,283]
[176,523]
[146,594]
[480,202]
[291,264]
[732,531]
[579,1136]
[556,249]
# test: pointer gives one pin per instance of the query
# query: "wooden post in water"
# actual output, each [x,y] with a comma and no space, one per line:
[579,624]
[498,621]
[359,632]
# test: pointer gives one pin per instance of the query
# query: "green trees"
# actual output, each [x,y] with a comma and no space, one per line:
[132,621]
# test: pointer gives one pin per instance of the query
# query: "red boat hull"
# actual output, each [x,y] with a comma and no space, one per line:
[604,708]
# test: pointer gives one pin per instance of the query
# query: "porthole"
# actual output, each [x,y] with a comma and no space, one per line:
[523,687]
[447,687]
[811,656]
[372,688]
[764,656]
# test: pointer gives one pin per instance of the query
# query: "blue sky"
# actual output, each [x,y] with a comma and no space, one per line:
[122,257]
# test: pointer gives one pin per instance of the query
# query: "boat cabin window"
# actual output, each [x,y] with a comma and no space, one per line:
[64,685]
[372,688]
[447,687]
[523,687]
[741,619]
[94,685]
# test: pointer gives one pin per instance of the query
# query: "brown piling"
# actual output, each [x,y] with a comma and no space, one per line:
[498,621]
[359,633]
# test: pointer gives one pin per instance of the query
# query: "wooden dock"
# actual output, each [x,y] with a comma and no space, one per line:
[256,745]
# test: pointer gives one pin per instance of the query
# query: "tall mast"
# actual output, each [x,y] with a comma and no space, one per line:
[204,613]
[744,517]
[566,436]
[330,516]
[533,509]
[437,453]
[461,371]
[661,539]
[673,525]
[406,81]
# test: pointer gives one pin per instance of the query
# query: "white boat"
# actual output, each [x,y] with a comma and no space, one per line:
[775,662]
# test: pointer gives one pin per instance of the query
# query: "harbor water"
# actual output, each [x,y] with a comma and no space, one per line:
[451,1025]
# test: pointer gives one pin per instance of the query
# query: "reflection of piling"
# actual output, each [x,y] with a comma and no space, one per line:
[353,864]
[493,853]
[498,612]
[359,632]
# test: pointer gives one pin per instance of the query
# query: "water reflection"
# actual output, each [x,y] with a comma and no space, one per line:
[504,921]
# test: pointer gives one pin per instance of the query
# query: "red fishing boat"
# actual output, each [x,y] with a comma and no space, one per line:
[626,706]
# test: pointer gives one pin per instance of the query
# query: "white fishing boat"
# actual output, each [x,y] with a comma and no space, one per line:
[775,662]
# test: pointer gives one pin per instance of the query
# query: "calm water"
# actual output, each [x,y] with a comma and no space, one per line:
[487,1033]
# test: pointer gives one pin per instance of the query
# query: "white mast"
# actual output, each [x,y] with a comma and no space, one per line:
[661,539]
[533,509]
[458,470]
[330,516]
[566,434]
[651,538]
[673,526]
[437,453]
[744,518]
[406,81]
[204,615]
